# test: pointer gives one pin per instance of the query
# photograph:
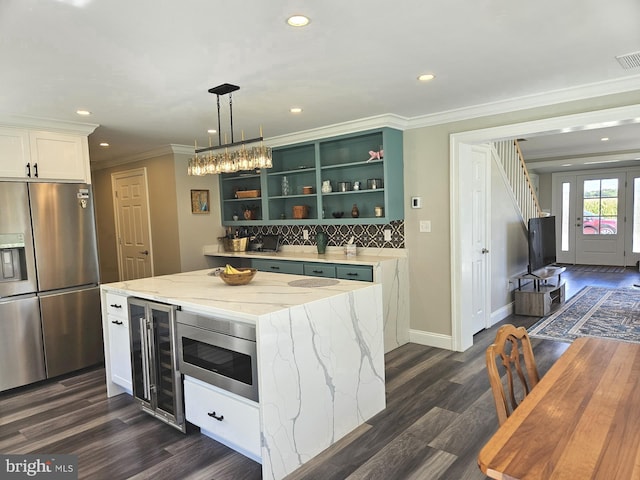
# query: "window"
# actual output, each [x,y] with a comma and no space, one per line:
[566,199]
[600,207]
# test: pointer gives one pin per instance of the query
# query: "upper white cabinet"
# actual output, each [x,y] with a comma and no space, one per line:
[14,152]
[41,155]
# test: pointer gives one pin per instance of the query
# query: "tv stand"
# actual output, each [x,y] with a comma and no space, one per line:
[537,297]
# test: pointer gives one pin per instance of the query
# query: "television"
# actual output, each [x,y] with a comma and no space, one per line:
[542,243]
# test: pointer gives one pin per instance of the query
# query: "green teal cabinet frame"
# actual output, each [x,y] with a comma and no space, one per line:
[343,159]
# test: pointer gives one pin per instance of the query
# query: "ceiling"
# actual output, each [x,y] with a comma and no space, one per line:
[143,68]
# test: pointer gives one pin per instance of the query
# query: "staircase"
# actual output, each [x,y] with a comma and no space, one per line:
[515,171]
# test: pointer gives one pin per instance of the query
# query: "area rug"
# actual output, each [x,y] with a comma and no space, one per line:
[595,268]
[594,312]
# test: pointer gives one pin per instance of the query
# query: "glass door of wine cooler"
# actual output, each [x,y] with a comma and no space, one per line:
[157,384]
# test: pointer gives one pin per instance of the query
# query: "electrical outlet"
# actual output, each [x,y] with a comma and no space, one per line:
[305,234]
[387,235]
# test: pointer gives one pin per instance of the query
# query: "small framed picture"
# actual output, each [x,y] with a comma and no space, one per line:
[199,201]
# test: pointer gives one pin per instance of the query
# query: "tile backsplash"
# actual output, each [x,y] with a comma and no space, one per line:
[364,235]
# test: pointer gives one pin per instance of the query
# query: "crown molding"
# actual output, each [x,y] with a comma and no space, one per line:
[162,151]
[48,124]
[543,99]
[391,120]
[379,121]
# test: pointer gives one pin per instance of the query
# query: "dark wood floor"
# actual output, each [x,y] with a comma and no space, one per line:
[439,414]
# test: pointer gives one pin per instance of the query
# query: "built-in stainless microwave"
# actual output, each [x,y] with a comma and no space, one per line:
[219,352]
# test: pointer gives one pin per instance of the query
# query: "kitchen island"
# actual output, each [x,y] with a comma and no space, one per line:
[388,267]
[320,353]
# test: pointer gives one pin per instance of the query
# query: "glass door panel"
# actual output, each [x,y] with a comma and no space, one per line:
[600,218]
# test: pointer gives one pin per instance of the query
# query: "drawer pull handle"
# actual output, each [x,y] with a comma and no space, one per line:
[117,322]
[352,274]
[273,267]
[318,271]
[213,414]
[115,305]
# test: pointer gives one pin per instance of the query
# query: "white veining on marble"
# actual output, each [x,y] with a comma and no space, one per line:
[321,371]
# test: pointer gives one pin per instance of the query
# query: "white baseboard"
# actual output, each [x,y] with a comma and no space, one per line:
[501,314]
[431,339]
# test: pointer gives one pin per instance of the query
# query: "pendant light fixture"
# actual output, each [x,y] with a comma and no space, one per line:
[236,156]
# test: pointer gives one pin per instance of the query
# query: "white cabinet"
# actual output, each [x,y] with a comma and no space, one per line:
[118,341]
[14,152]
[58,156]
[227,418]
[40,155]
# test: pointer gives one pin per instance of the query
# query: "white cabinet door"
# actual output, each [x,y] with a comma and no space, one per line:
[119,346]
[230,420]
[14,153]
[58,156]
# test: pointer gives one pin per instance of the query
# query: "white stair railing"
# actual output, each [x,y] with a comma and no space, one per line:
[517,175]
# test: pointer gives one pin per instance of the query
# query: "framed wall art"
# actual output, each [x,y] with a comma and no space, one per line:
[199,201]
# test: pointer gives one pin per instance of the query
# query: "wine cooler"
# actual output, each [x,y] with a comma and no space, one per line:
[157,384]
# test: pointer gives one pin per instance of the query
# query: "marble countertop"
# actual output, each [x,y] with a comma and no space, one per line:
[365,256]
[267,292]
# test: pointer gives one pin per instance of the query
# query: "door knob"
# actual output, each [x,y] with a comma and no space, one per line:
[484,250]
[144,252]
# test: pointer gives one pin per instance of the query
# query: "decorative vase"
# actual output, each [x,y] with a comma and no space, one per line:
[321,241]
[326,186]
[355,213]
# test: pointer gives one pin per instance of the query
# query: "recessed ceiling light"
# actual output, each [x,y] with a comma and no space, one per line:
[566,164]
[212,130]
[298,21]
[295,110]
[425,77]
[604,139]
[104,144]
[83,112]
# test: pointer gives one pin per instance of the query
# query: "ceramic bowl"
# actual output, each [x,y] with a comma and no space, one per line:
[337,214]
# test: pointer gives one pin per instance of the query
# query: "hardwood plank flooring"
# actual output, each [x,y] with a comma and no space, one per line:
[439,414]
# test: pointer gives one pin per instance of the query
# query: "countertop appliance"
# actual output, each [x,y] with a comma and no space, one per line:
[157,383]
[219,352]
[49,296]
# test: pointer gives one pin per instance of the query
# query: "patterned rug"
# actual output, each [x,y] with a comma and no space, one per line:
[594,312]
[595,268]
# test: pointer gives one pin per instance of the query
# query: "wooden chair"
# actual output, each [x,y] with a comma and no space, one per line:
[506,346]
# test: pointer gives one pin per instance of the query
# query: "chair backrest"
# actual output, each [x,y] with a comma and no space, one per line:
[507,345]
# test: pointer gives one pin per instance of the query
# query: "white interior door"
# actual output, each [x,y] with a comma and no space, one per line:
[131,205]
[479,222]
[600,207]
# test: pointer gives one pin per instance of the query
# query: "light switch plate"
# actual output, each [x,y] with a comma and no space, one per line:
[416,202]
[425,226]
[387,235]
[305,234]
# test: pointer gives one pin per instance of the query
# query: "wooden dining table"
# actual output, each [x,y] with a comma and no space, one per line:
[582,421]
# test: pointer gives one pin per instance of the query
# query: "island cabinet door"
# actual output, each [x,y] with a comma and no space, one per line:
[231,420]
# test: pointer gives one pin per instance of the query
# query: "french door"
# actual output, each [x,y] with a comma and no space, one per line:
[599,217]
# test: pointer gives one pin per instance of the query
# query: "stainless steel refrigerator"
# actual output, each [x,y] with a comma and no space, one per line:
[50,320]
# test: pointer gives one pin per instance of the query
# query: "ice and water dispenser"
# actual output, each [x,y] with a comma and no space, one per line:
[12,257]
